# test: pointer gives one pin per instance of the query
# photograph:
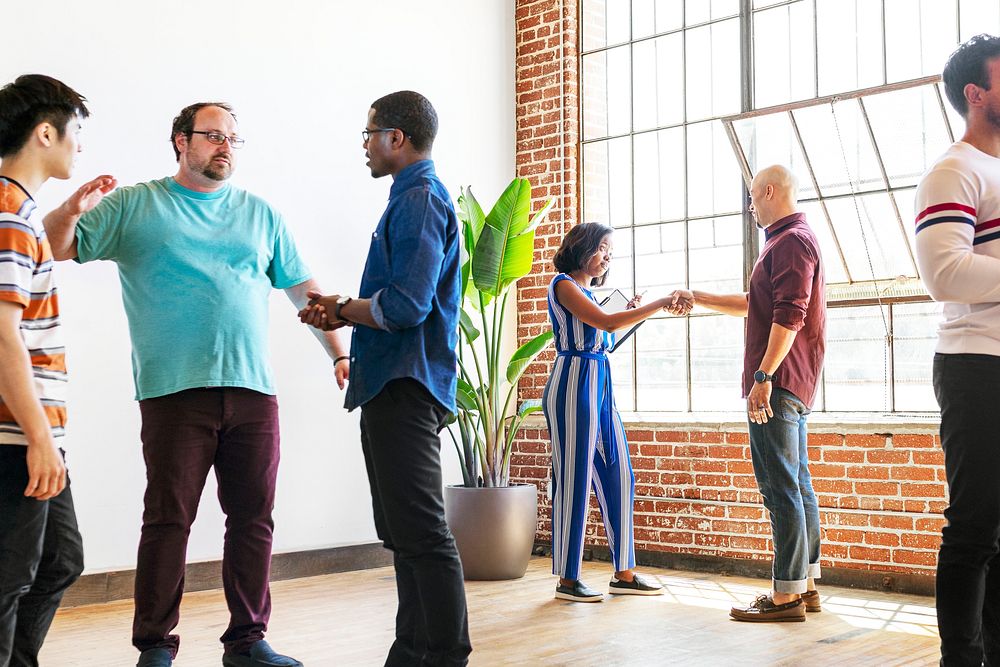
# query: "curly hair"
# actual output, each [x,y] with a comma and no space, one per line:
[410,112]
[578,246]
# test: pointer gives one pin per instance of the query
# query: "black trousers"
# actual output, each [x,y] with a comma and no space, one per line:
[968,573]
[41,554]
[399,435]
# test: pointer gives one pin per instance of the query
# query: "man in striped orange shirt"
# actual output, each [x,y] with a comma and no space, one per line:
[41,552]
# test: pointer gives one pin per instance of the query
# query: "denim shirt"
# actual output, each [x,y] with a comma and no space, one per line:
[412,278]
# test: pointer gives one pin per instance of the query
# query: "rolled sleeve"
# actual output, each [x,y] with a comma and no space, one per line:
[792,272]
[375,308]
[417,237]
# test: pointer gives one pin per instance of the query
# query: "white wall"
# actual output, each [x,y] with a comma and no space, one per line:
[302,75]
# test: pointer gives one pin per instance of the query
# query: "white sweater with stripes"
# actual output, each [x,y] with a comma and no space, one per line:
[958,247]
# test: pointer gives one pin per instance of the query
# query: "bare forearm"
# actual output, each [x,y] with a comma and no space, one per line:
[359,311]
[728,304]
[17,389]
[779,342]
[60,228]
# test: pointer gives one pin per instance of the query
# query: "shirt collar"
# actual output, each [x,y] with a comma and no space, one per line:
[410,175]
[783,223]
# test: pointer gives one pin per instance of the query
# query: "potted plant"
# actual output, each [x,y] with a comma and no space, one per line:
[493,522]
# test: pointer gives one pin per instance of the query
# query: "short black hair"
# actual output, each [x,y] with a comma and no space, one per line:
[968,65]
[578,246]
[184,122]
[410,112]
[33,99]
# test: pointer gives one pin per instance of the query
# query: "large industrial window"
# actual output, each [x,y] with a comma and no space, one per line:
[683,101]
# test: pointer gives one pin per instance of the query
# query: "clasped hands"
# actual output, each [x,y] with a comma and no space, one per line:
[318,312]
[678,302]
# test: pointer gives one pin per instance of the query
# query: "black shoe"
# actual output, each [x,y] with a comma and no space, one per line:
[578,592]
[155,657]
[261,655]
[640,585]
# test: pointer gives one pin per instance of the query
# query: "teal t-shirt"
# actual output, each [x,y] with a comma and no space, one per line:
[196,271]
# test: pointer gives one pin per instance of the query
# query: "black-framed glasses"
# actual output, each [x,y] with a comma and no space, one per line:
[367,134]
[218,138]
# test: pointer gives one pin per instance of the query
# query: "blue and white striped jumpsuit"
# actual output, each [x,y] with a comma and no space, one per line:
[588,443]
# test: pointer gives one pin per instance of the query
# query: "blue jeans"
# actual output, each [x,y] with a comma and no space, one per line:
[781,465]
[41,554]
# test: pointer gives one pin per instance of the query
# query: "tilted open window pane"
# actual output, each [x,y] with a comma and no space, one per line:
[604,22]
[608,111]
[908,142]
[833,263]
[871,238]
[662,373]
[836,140]
[607,182]
[767,140]
[652,17]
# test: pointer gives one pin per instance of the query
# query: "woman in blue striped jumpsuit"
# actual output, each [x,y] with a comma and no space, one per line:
[588,440]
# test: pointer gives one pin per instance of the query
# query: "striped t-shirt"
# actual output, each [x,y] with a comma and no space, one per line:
[26,279]
[958,247]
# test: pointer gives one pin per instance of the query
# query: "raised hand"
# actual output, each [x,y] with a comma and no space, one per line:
[90,195]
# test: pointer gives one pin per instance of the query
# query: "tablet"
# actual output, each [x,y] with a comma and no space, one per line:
[615,303]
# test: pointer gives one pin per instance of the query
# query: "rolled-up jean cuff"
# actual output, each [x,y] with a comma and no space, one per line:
[814,572]
[798,586]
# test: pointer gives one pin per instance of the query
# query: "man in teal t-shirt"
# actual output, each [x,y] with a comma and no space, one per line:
[198,259]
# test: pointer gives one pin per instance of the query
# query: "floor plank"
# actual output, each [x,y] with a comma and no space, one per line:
[346,619]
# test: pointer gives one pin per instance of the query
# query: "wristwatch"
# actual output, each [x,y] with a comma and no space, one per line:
[761,376]
[341,302]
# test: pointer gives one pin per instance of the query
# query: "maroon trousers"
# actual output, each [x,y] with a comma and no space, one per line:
[184,435]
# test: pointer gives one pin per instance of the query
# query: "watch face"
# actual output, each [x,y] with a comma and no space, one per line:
[760,376]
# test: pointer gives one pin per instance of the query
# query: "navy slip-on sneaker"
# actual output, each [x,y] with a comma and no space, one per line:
[261,655]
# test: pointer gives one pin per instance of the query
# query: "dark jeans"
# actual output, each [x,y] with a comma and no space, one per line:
[184,435]
[781,466]
[402,450]
[41,554]
[968,572]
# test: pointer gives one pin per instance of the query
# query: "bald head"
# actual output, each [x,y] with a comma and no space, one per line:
[773,194]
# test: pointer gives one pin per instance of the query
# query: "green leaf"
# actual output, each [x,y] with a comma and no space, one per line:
[468,328]
[526,354]
[530,406]
[465,396]
[505,246]
[471,213]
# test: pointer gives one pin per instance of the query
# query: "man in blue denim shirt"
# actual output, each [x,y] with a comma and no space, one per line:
[403,363]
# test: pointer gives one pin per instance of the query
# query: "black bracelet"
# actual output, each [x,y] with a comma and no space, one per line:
[339,359]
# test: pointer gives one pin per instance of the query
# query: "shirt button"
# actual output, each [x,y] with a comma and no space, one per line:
[374,235]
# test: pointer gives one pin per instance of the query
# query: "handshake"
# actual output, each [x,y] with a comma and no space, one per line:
[680,302]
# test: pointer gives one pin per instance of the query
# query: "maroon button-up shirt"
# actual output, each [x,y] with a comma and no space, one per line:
[787,288]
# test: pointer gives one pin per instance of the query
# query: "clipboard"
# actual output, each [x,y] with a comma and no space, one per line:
[617,302]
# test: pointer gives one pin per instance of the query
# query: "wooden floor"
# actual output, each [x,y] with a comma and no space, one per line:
[347,619]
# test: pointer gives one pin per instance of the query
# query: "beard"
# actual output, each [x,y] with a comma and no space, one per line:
[213,170]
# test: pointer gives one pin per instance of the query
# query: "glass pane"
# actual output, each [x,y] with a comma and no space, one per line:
[651,17]
[905,199]
[604,22]
[700,11]
[870,237]
[856,362]
[784,52]
[607,109]
[659,175]
[770,139]
[716,363]
[620,272]
[833,267]
[662,365]
[757,4]
[658,82]
[956,121]
[716,254]
[908,142]
[659,262]
[607,182]
[713,174]
[914,327]
[979,16]
[919,37]
[839,148]
[713,70]
[850,45]
[621,374]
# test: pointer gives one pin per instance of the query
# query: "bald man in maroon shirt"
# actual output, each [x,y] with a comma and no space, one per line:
[785,311]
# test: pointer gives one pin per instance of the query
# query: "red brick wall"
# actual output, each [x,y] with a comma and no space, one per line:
[881,495]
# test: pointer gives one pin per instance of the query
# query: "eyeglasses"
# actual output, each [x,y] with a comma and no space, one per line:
[367,134]
[218,138]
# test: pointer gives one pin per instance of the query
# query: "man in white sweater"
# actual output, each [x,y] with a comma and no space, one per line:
[958,252]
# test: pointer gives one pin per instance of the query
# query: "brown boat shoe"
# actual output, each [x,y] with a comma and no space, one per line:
[763,610]
[811,600]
